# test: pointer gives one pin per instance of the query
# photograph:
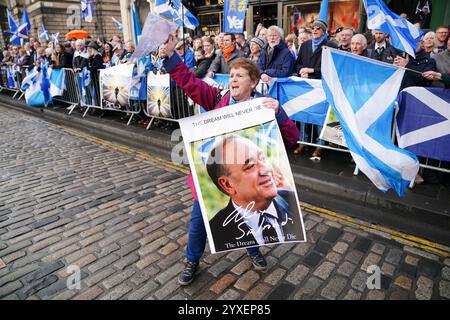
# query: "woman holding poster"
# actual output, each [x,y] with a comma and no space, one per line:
[244,77]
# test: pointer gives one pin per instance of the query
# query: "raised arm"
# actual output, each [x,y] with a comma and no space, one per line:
[196,89]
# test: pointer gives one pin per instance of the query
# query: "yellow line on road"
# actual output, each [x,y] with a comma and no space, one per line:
[122,148]
[400,237]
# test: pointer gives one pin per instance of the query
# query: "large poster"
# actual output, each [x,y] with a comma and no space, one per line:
[115,83]
[158,95]
[332,130]
[242,177]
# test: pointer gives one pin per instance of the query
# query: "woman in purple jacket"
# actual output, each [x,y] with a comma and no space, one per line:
[244,76]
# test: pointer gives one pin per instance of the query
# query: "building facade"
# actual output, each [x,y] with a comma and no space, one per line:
[287,14]
[62,16]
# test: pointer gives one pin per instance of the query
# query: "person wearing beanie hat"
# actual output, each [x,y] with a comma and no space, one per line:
[308,65]
[256,45]
[259,42]
[321,24]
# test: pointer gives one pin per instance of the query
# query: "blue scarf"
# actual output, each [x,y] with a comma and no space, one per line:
[316,42]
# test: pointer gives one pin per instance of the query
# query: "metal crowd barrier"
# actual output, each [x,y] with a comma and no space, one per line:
[71,94]
[180,106]
[18,77]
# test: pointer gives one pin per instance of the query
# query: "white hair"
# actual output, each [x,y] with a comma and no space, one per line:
[431,34]
[278,30]
[48,51]
[361,38]
[79,41]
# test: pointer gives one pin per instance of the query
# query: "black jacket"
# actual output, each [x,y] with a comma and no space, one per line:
[95,63]
[66,62]
[201,67]
[236,232]
[421,63]
[79,62]
[307,59]
[280,65]
[387,55]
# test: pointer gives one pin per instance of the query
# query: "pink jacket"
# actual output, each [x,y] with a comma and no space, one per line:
[206,96]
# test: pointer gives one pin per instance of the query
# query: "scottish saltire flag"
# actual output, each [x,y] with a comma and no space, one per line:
[87,10]
[55,39]
[267,135]
[220,80]
[205,149]
[11,78]
[85,80]
[118,24]
[44,33]
[423,122]
[17,32]
[26,19]
[136,24]
[37,87]
[57,82]
[404,35]
[364,106]
[173,9]
[12,28]
[303,99]
[323,13]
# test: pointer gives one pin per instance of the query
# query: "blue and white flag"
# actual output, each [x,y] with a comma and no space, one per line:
[26,20]
[173,9]
[118,24]
[423,122]
[55,39]
[205,149]
[18,33]
[44,33]
[303,99]
[404,35]
[136,24]
[220,80]
[85,80]
[234,16]
[87,10]
[57,82]
[37,87]
[11,78]
[364,106]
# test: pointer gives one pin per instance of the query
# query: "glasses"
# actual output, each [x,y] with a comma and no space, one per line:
[316,28]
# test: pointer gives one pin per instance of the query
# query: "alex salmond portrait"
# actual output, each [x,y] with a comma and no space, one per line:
[257,212]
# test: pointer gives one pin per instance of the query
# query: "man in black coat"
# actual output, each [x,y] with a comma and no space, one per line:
[308,65]
[309,60]
[381,50]
[257,212]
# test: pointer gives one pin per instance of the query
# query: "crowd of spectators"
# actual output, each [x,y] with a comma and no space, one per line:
[275,53]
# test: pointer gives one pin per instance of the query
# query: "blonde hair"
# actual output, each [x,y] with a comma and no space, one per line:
[431,34]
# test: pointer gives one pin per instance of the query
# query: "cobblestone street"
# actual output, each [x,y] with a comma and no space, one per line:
[122,216]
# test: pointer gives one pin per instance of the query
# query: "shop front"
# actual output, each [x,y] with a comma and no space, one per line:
[288,15]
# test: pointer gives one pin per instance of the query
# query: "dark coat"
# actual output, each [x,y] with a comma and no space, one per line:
[201,67]
[307,59]
[280,65]
[219,65]
[66,62]
[262,60]
[95,63]
[287,209]
[79,62]
[387,55]
[421,63]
